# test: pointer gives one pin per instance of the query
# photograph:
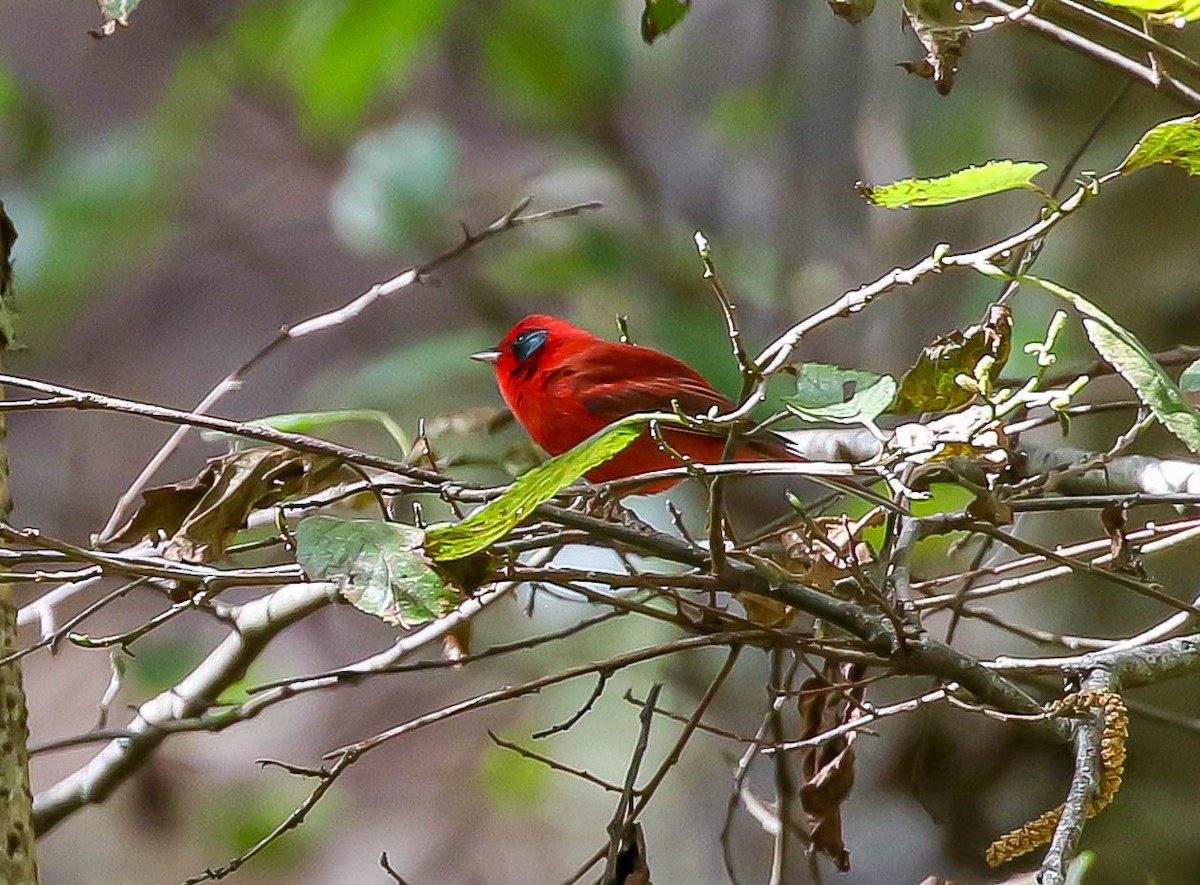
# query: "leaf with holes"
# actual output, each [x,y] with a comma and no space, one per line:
[1175,142]
[935,383]
[844,396]
[379,568]
[957,187]
[495,519]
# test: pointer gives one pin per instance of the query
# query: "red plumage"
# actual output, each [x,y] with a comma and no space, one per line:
[563,384]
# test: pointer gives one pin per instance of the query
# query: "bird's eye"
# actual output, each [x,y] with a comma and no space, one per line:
[528,343]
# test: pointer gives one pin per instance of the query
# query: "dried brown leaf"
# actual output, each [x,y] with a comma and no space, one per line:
[201,515]
[834,698]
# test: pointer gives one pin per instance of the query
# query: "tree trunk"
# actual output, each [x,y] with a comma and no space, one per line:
[16,800]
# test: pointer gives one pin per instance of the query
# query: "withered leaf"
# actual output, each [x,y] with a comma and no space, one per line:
[932,384]
[200,516]
[1125,558]
[820,552]
[631,867]
[940,25]
[988,507]
[826,701]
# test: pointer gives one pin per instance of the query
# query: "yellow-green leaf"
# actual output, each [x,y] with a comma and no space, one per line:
[966,184]
[1175,142]
[1165,12]
[493,521]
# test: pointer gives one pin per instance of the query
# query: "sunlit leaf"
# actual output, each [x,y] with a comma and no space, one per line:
[933,384]
[1121,349]
[1175,142]
[660,16]
[493,521]
[966,184]
[379,567]
[116,13]
[845,396]
[201,515]
[1165,12]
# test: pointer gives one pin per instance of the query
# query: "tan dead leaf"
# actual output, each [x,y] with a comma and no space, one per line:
[820,553]
[200,516]
[834,698]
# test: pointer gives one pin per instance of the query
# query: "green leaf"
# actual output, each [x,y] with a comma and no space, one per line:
[493,521]
[844,396]
[1164,12]
[378,566]
[660,16]
[1189,381]
[1175,142]
[966,184]
[116,13]
[933,383]
[853,11]
[1121,349]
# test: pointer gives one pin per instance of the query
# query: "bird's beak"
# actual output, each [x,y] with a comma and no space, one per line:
[486,356]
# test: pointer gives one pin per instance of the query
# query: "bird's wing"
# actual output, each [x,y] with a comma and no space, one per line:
[657,381]
[615,399]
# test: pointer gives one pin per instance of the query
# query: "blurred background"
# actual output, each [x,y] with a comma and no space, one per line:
[186,187]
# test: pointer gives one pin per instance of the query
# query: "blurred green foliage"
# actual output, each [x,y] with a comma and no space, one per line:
[396,187]
[335,59]
[556,65]
[514,785]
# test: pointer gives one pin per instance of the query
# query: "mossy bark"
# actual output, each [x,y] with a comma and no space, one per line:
[19,865]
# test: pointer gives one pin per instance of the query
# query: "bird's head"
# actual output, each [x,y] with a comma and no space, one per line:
[533,342]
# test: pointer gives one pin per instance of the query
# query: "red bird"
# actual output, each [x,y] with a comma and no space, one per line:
[563,384]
